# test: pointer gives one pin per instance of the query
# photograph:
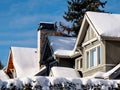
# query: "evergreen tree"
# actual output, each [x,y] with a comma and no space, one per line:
[77,9]
[1,65]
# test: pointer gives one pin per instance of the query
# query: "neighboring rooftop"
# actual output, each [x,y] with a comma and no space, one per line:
[25,61]
[62,46]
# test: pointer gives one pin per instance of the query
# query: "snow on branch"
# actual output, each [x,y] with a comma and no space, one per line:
[58,83]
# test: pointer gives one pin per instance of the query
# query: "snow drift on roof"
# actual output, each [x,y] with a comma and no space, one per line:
[106,24]
[64,72]
[62,45]
[25,61]
[3,75]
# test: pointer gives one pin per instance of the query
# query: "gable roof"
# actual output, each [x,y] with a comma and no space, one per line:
[24,61]
[62,46]
[105,26]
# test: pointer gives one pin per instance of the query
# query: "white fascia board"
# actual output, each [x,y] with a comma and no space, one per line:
[79,34]
[88,42]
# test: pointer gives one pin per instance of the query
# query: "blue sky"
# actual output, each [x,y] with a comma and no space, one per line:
[19,20]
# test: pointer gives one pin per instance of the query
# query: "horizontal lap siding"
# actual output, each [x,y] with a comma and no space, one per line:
[112,52]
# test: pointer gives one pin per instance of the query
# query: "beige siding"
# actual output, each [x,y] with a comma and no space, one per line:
[112,52]
[89,34]
[94,70]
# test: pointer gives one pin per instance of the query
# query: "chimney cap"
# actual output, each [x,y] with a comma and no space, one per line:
[47,26]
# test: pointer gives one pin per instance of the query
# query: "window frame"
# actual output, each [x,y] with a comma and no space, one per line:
[97,59]
[79,63]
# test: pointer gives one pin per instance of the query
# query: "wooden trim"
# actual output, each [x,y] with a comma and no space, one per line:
[89,69]
[88,42]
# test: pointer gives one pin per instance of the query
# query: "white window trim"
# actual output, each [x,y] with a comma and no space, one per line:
[104,65]
[96,62]
[78,64]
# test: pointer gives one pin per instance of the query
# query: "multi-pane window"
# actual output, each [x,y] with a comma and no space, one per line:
[98,54]
[93,57]
[79,63]
[87,59]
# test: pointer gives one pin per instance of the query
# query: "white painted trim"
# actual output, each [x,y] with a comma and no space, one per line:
[88,42]
[92,68]
[86,19]
[93,47]
[80,33]
[78,64]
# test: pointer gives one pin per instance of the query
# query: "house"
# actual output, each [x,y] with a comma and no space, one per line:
[99,43]
[22,62]
[59,51]
[50,44]
[96,48]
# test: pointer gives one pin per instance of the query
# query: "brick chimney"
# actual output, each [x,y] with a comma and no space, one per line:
[45,29]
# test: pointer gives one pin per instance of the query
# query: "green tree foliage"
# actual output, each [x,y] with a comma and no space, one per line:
[77,9]
[1,65]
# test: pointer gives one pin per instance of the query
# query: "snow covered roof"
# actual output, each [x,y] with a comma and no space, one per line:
[98,75]
[3,75]
[64,72]
[113,71]
[62,46]
[107,75]
[106,24]
[25,61]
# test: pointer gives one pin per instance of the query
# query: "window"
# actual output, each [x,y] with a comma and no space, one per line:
[79,63]
[98,50]
[88,59]
[93,57]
